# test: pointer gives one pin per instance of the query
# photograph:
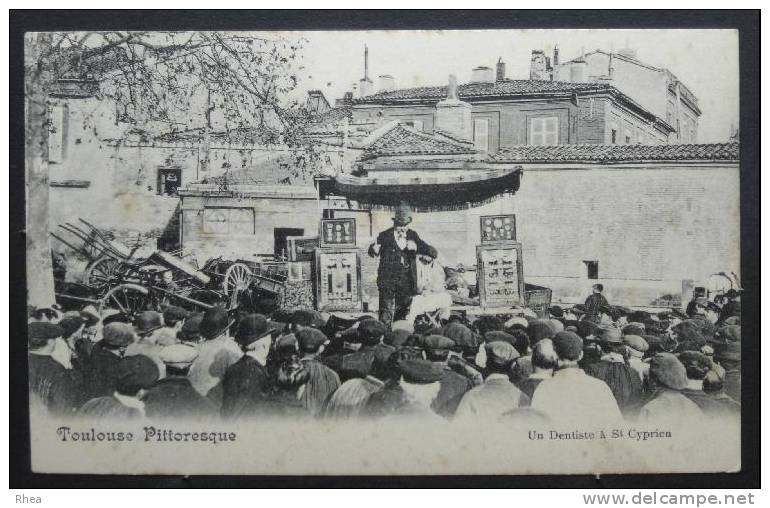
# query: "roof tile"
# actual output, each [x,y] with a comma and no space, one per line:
[402,140]
[618,153]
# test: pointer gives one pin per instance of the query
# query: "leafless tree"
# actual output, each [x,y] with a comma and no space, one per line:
[155,79]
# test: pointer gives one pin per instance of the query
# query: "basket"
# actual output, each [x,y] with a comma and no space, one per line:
[537,298]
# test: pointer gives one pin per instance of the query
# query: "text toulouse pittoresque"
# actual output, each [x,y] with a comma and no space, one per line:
[146,434]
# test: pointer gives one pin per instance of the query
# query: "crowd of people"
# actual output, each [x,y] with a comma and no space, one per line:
[592,363]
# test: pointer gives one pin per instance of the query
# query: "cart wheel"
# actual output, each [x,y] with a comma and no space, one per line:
[101,271]
[130,299]
[237,278]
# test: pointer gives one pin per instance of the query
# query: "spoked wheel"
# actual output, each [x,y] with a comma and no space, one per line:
[130,299]
[101,271]
[237,280]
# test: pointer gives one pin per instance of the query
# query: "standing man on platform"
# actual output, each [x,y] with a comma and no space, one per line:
[594,304]
[398,248]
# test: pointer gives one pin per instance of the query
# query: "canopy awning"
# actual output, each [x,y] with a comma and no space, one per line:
[427,192]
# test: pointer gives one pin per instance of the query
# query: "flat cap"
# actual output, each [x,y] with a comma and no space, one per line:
[174,314]
[610,335]
[460,334]
[402,324]
[636,342]
[438,343]
[178,355]
[287,342]
[191,329]
[497,336]
[634,329]
[311,339]
[667,370]
[557,325]
[370,331]
[118,334]
[215,322]
[397,337]
[568,346]
[41,332]
[147,322]
[420,371]
[500,353]
[307,317]
[516,320]
[539,329]
[252,328]
[696,364]
[133,373]
[71,323]
[587,328]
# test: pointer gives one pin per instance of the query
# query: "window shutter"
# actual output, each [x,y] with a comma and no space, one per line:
[481,134]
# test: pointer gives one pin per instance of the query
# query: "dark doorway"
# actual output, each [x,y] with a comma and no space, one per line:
[280,234]
[169,180]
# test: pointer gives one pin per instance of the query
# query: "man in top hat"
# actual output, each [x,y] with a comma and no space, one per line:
[51,385]
[571,396]
[147,325]
[133,376]
[398,248]
[173,396]
[497,395]
[322,381]
[216,353]
[246,381]
[105,356]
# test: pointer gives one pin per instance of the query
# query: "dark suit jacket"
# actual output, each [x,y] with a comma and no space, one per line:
[394,261]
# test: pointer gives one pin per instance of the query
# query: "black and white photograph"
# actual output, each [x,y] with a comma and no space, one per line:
[385,252]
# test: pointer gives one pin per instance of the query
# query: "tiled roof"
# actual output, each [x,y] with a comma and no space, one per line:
[403,140]
[619,153]
[508,87]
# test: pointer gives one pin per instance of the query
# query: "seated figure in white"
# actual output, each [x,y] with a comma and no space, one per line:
[432,297]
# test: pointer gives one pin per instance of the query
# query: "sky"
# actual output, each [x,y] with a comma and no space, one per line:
[706,61]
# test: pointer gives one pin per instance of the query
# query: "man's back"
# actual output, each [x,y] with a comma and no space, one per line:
[490,400]
[214,357]
[174,397]
[573,396]
[453,387]
[53,385]
[321,384]
[244,383]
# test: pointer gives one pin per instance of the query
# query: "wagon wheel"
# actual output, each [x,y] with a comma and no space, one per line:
[101,271]
[130,299]
[237,279]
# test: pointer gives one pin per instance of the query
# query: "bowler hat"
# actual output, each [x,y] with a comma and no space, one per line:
[174,314]
[191,329]
[71,324]
[147,322]
[215,322]
[252,328]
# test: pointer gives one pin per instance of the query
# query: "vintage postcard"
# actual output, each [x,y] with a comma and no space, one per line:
[384,252]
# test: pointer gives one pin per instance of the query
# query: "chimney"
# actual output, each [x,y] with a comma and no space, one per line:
[365,84]
[537,66]
[500,75]
[556,56]
[578,71]
[453,116]
[482,74]
[386,83]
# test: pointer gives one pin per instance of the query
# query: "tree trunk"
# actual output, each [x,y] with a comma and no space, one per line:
[40,287]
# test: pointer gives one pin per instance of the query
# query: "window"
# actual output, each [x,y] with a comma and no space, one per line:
[58,117]
[544,131]
[614,137]
[481,134]
[280,242]
[592,269]
[237,221]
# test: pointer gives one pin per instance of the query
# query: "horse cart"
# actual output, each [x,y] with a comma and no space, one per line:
[115,279]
